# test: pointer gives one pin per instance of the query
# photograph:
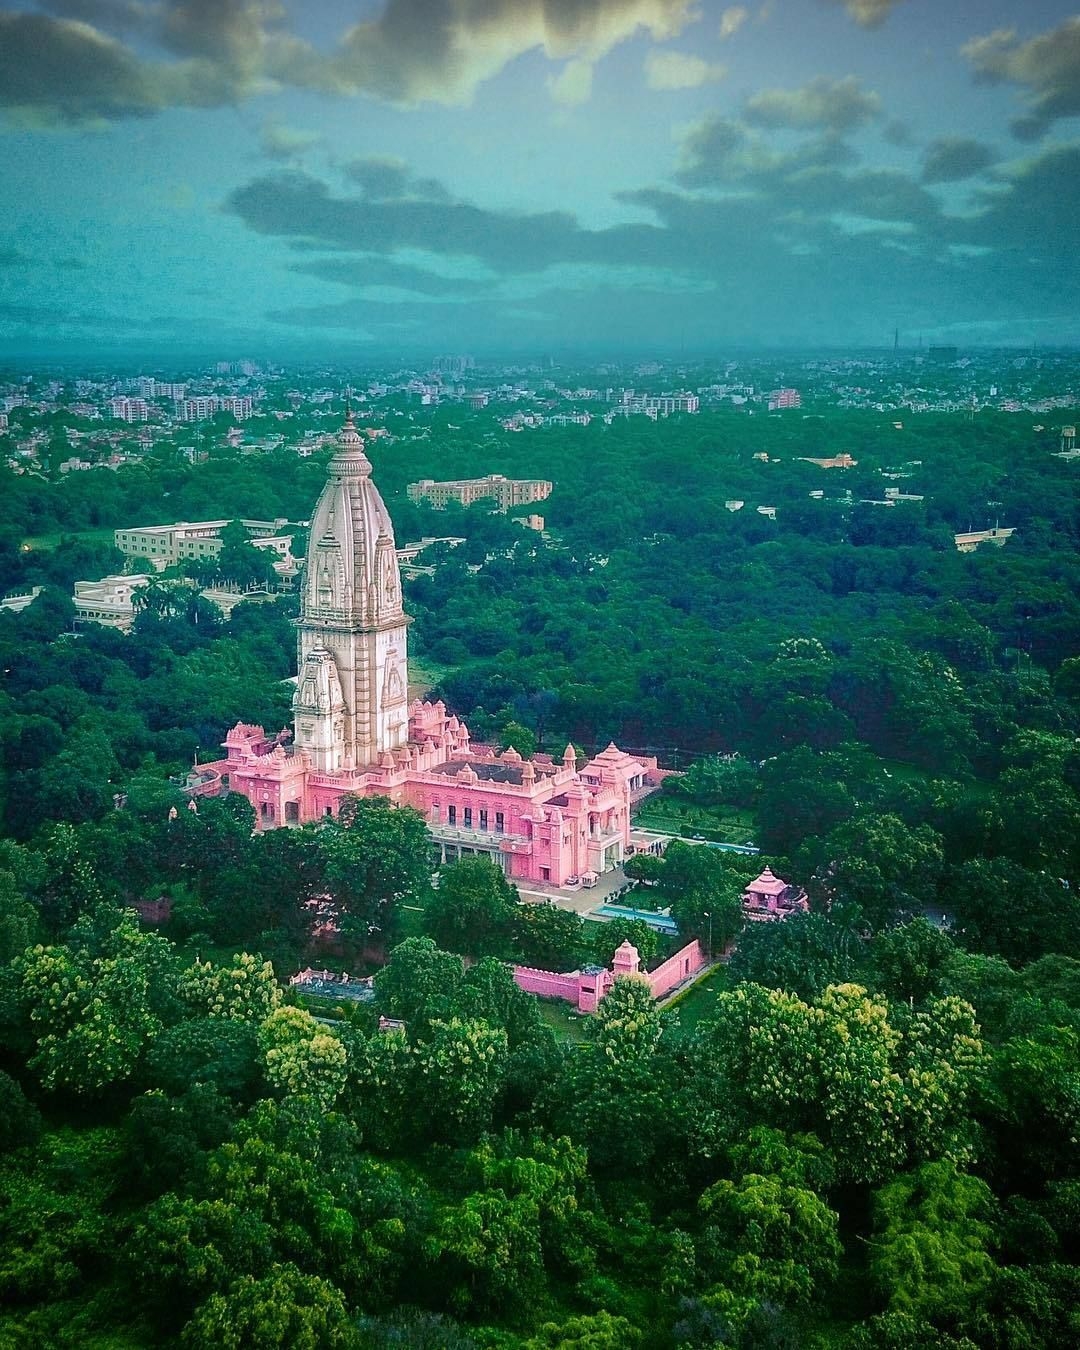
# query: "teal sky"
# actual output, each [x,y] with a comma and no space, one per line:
[343,178]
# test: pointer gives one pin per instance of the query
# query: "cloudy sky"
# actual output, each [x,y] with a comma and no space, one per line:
[311,177]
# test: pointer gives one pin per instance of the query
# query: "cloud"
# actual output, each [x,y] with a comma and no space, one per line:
[720,151]
[573,84]
[383,272]
[1032,210]
[115,16]
[61,71]
[443,50]
[836,106]
[732,20]
[1047,67]
[281,142]
[387,179]
[868,13]
[954,158]
[65,71]
[300,208]
[677,70]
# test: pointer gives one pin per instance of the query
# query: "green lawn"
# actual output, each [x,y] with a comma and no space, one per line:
[424,675]
[723,824]
[563,1018]
[698,1002]
[48,541]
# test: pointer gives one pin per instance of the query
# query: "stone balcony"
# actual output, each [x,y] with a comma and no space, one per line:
[493,839]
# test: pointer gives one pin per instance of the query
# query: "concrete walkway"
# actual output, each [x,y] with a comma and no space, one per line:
[576,899]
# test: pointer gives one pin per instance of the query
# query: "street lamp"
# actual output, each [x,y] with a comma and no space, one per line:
[707,914]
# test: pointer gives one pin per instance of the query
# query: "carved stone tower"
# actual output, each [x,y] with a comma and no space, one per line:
[351,702]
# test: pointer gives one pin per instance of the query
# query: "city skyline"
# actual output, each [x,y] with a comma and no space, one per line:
[619,175]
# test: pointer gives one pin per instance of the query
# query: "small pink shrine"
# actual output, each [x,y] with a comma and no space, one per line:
[768,897]
[355,731]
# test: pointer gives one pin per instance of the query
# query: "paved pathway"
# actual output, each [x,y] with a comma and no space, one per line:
[576,899]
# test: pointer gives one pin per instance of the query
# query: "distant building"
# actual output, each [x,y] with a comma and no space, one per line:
[166,545]
[968,543]
[784,398]
[505,492]
[843,461]
[108,601]
[129,409]
[1068,439]
[208,405]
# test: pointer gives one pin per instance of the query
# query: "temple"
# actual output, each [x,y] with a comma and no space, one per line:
[355,730]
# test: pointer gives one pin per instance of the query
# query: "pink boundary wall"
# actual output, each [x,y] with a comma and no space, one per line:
[586,988]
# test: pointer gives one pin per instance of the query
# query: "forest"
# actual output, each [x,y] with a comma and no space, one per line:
[868,1138]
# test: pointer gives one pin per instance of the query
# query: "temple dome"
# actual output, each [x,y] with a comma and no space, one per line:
[352,576]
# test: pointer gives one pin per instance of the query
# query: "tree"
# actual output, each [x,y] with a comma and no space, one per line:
[302,1057]
[1003,909]
[547,937]
[94,1015]
[247,991]
[802,955]
[610,936]
[930,1254]
[70,886]
[704,890]
[616,1092]
[521,738]
[222,1051]
[769,1240]
[472,911]
[18,919]
[911,961]
[599,1331]
[462,1067]
[879,866]
[874,1092]
[376,857]
[20,1120]
[285,1308]
[419,982]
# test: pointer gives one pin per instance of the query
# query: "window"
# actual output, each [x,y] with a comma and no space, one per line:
[498,822]
[483,819]
[435,813]
[468,817]
[451,815]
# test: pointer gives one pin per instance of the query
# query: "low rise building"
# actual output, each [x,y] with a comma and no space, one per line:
[166,545]
[969,542]
[505,492]
[109,601]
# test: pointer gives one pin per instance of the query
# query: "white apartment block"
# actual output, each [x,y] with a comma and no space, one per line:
[206,405]
[129,409]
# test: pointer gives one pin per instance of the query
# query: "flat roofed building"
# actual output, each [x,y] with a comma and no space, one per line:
[108,601]
[969,542]
[505,492]
[166,545]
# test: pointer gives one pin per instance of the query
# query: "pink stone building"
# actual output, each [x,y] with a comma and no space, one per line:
[356,732]
[768,897]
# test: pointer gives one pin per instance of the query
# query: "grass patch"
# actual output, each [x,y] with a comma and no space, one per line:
[43,542]
[424,675]
[699,1001]
[563,1018]
[722,824]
